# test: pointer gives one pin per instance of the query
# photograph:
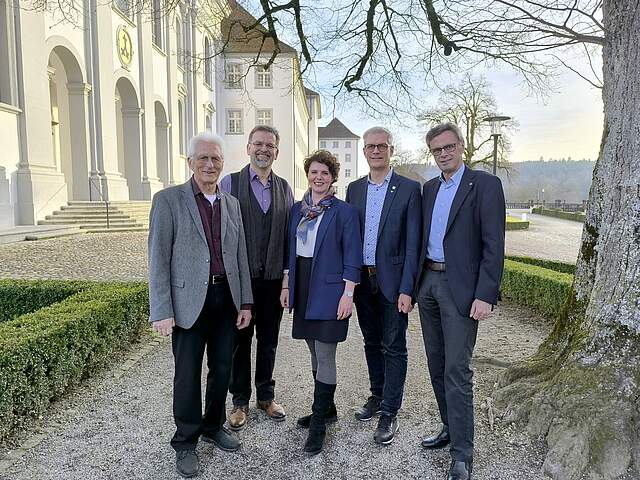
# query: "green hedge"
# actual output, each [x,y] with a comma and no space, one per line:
[554,212]
[18,297]
[514,224]
[563,267]
[44,352]
[539,288]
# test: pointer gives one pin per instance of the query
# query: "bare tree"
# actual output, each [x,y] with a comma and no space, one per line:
[467,104]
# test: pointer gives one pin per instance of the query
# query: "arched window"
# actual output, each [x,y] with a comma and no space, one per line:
[158,24]
[179,45]
[207,122]
[182,141]
[5,54]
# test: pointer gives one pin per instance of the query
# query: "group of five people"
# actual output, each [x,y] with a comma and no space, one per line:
[227,256]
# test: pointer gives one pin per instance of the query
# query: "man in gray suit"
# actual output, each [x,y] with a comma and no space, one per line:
[199,291]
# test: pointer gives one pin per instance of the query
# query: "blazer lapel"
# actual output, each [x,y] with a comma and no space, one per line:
[329,213]
[361,202]
[388,200]
[190,202]
[430,200]
[224,214]
[466,185]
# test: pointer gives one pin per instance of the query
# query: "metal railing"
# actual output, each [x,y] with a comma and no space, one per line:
[106,202]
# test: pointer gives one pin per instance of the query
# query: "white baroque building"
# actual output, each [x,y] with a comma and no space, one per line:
[98,100]
[344,144]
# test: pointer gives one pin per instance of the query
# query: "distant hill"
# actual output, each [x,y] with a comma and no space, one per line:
[567,180]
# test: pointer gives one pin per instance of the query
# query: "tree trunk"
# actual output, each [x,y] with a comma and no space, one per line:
[581,391]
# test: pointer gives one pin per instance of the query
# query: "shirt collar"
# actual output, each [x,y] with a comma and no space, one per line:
[196,188]
[455,179]
[254,176]
[387,178]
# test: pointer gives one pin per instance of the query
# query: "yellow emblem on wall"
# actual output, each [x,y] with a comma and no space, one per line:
[124,46]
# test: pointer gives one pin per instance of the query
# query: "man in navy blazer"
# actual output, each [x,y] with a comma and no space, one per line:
[462,257]
[389,206]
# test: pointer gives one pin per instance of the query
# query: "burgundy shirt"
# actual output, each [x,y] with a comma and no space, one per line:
[210,216]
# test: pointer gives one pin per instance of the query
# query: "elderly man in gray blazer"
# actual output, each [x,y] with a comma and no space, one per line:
[199,292]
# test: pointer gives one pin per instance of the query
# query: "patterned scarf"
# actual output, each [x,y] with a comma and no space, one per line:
[310,212]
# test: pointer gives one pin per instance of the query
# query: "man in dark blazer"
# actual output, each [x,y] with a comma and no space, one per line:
[199,292]
[462,257]
[389,206]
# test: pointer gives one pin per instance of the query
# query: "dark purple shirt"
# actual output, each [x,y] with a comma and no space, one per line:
[210,216]
[260,191]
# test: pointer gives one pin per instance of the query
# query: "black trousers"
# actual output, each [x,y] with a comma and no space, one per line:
[214,331]
[385,343]
[265,321]
[449,339]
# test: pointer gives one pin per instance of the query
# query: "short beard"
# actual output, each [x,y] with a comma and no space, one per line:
[263,163]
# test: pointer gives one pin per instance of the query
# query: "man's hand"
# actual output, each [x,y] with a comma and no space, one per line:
[284,298]
[345,307]
[244,317]
[164,327]
[480,310]
[404,303]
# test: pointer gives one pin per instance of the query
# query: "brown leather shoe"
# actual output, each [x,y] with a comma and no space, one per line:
[275,411]
[238,417]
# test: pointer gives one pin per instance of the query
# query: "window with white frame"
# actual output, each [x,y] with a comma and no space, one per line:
[323,144]
[207,122]
[233,77]
[264,117]
[125,7]
[234,121]
[347,173]
[347,157]
[263,77]
[158,24]
[336,144]
[182,141]
[208,62]
[347,144]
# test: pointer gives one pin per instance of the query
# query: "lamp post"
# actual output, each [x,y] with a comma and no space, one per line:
[496,125]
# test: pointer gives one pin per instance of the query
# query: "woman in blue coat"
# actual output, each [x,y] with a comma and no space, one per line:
[325,257]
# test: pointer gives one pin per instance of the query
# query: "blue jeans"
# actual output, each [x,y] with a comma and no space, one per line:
[385,343]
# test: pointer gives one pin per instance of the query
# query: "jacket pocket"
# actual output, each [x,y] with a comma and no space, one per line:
[334,278]
[397,260]
[177,282]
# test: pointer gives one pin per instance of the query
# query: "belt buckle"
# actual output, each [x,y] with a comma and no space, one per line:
[371,270]
[217,279]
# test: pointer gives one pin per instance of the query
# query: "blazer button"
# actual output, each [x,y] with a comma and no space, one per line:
[207,260]
[205,283]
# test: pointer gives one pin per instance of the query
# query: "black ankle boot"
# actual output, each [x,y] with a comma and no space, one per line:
[332,414]
[322,400]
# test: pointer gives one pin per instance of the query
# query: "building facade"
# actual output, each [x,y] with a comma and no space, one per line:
[345,145]
[99,103]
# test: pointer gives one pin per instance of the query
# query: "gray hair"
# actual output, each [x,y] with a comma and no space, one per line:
[204,137]
[444,127]
[374,130]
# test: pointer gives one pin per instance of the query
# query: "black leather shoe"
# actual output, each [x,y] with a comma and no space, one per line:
[387,429]
[223,439]
[332,417]
[187,464]
[459,470]
[439,440]
[369,410]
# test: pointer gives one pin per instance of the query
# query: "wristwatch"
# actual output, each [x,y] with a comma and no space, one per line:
[348,294]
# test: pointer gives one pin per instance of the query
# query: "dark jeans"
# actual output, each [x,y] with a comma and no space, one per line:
[267,314]
[449,339]
[385,343]
[214,330]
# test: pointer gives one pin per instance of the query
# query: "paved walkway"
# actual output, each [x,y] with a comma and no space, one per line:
[118,423]
[547,237]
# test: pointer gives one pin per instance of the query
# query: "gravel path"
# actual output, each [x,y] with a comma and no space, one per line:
[119,426]
[118,423]
[547,237]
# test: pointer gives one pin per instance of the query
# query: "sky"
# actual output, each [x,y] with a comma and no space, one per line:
[566,123]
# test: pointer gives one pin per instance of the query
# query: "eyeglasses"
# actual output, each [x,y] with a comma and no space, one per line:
[436,152]
[382,147]
[270,146]
[206,160]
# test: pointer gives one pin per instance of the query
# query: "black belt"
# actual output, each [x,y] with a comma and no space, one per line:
[435,266]
[217,279]
[369,270]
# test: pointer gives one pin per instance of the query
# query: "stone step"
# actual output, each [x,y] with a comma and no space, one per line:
[54,234]
[87,215]
[115,229]
[85,221]
[36,232]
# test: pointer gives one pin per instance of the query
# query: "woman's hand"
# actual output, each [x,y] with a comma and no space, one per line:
[284,297]
[345,307]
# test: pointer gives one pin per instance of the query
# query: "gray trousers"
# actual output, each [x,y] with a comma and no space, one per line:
[323,360]
[449,339]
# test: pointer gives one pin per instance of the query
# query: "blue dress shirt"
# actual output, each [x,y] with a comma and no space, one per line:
[440,217]
[375,200]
